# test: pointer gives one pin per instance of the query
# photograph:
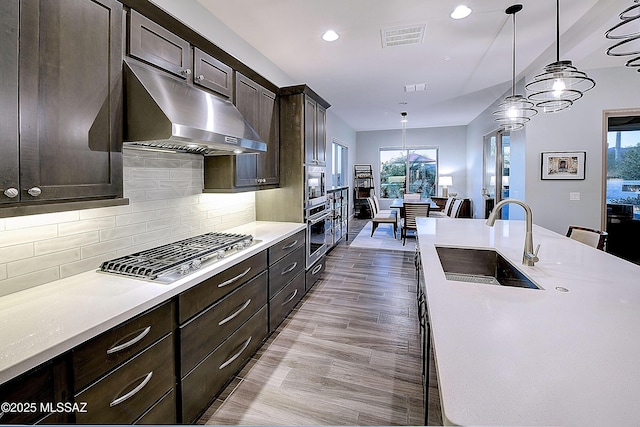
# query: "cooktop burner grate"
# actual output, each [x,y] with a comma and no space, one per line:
[168,262]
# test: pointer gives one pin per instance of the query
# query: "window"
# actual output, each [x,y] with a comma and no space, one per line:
[408,171]
[339,164]
[623,162]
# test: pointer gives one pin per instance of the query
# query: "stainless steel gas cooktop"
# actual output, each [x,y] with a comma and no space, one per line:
[167,263]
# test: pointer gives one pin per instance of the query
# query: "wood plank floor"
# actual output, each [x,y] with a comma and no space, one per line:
[348,354]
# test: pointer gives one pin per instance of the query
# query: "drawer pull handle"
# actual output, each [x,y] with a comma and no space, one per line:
[132,392]
[233,279]
[235,356]
[316,269]
[290,268]
[245,305]
[293,295]
[290,245]
[130,342]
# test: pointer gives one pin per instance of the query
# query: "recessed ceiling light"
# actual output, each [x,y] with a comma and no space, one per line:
[330,36]
[460,12]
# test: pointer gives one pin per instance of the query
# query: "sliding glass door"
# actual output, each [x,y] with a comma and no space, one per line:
[497,160]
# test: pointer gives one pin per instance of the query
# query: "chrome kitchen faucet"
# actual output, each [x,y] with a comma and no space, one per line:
[529,257]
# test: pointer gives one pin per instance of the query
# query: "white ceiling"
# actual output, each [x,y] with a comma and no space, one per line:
[466,64]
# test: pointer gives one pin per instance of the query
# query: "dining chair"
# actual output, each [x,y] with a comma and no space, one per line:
[411,196]
[456,208]
[447,209]
[408,221]
[378,218]
[588,236]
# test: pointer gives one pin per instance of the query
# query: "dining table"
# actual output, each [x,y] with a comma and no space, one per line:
[399,204]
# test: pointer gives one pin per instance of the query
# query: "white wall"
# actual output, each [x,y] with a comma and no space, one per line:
[340,132]
[452,152]
[580,128]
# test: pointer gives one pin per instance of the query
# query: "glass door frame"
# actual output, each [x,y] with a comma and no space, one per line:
[606,114]
[495,167]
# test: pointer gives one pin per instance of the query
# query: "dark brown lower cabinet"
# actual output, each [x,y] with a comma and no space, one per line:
[314,273]
[130,390]
[162,412]
[200,386]
[283,271]
[209,329]
[29,394]
[284,301]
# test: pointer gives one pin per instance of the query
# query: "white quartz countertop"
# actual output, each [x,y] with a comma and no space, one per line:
[516,356]
[40,323]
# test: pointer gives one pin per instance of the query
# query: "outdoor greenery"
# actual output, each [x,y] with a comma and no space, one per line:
[422,175]
[626,166]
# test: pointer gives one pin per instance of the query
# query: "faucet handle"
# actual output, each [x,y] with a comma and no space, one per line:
[535,253]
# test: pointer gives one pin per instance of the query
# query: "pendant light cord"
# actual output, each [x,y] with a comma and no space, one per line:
[513,56]
[558,30]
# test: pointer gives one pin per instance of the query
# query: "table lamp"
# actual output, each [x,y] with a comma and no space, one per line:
[445,182]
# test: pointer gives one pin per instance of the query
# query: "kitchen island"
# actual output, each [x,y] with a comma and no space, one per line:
[40,323]
[565,354]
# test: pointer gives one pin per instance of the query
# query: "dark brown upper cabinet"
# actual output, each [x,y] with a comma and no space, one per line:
[212,74]
[158,46]
[315,131]
[249,172]
[64,105]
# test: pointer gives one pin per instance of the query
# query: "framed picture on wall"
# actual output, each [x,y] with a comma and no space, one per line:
[563,164]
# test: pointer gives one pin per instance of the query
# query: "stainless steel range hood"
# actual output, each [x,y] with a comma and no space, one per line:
[164,113]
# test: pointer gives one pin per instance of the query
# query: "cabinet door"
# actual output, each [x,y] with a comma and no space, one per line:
[154,44]
[310,131]
[321,136]
[70,99]
[248,102]
[38,390]
[211,73]
[9,18]
[269,130]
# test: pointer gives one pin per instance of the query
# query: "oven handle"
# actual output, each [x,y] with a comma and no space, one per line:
[318,217]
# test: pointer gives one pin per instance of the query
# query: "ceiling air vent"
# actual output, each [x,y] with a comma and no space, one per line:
[416,87]
[400,36]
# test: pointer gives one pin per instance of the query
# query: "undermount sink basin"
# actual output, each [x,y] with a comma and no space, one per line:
[483,266]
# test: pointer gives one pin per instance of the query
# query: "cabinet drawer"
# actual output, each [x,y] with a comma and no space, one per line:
[156,45]
[206,293]
[314,273]
[284,270]
[282,304]
[209,329]
[100,354]
[285,247]
[126,393]
[44,384]
[204,383]
[211,73]
[162,412]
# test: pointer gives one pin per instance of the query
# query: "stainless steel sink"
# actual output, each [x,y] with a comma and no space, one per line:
[484,266]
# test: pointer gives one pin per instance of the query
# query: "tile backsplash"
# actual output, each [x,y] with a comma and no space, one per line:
[166,203]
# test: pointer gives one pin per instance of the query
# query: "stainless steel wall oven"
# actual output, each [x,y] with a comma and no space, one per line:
[315,186]
[318,225]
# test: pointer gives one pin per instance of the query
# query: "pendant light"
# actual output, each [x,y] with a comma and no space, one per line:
[516,110]
[561,83]
[629,44]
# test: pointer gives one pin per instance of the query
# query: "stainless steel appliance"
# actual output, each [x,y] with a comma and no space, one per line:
[167,263]
[315,186]
[165,113]
[318,229]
